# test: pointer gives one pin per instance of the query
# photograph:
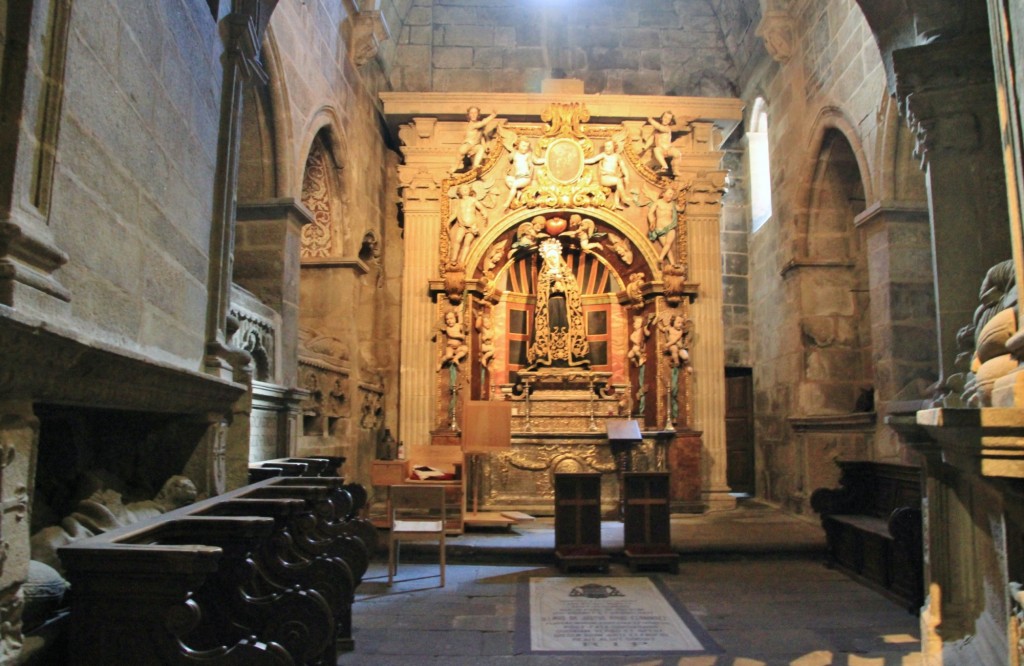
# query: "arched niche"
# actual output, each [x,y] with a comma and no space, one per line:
[322,195]
[834,297]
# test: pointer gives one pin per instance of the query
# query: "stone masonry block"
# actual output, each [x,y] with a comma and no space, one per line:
[421,34]
[464,35]
[524,58]
[419,16]
[447,15]
[647,82]
[452,57]
[488,58]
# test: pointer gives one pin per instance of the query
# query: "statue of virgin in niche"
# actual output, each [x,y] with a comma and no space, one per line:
[559,334]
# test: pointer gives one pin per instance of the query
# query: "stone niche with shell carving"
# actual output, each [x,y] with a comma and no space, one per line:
[620,197]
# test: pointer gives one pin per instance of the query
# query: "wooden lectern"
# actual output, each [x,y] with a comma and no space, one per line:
[623,435]
[578,522]
[647,529]
[486,428]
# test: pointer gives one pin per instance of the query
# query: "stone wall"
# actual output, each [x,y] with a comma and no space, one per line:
[344,295]
[650,48]
[809,292]
[133,190]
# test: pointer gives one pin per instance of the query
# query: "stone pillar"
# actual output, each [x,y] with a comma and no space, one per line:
[420,180]
[902,305]
[948,93]
[267,264]
[19,439]
[33,91]
[708,356]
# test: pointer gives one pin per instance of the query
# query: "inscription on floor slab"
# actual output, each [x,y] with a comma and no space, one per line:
[605,615]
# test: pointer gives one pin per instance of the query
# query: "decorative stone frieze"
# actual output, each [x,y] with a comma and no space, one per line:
[371,404]
[324,369]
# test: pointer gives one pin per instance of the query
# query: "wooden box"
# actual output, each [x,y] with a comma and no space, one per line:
[647,532]
[578,522]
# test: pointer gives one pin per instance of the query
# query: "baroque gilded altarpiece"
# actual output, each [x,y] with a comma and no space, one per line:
[562,254]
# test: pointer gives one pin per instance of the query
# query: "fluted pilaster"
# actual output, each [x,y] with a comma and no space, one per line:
[708,357]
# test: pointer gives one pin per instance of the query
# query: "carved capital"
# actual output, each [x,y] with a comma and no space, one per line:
[417,184]
[240,33]
[944,90]
[776,29]
[368,31]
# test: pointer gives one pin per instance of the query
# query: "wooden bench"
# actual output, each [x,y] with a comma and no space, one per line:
[873,527]
[264,574]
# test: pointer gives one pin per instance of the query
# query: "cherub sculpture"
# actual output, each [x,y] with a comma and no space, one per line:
[474,145]
[485,330]
[455,347]
[583,229]
[621,247]
[638,338]
[468,219]
[493,258]
[522,171]
[527,235]
[662,222]
[611,172]
[663,147]
[677,340]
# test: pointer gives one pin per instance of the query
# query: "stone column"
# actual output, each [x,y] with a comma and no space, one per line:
[420,179]
[948,93]
[19,439]
[33,93]
[902,305]
[709,357]
[267,264]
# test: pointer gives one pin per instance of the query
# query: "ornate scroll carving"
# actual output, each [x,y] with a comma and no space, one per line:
[316,196]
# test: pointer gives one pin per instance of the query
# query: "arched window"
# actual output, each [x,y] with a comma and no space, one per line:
[760,167]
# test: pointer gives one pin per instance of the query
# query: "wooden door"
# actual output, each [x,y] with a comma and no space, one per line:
[739,430]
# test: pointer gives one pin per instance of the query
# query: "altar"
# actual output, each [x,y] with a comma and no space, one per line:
[563,258]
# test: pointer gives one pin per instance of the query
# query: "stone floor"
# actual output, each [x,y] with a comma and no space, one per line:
[754,578]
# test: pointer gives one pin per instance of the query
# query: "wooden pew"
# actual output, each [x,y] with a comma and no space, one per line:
[873,527]
[264,574]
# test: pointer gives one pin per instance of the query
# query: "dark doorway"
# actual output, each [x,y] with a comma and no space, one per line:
[739,429]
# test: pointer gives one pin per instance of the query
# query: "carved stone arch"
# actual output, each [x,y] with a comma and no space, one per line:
[829,276]
[288,183]
[323,194]
[831,121]
[898,174]
[325,123]
[264,168]
[641,248]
